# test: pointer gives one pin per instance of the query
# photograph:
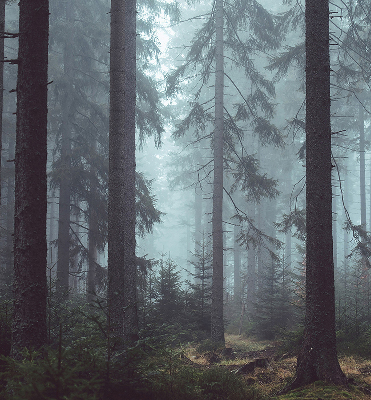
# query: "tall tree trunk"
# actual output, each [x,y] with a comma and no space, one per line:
[251,269]
[217,323]
[52,229]
[237,268]
[65,179]
[288,236]
[30,250]
[334,226]
[9,243]
[317,358]
[93,254]
[2,29]
[198,225]
[122,271]
[93,234]
[362,167]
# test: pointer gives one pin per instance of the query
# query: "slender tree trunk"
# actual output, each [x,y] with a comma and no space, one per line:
[217,322]
[251,269]
[288,236]
[122,271]
[93,254]
[198,225]
[52,230]
[30,250]
[93,235]
[334,226]
[317,358]
[362,167]
[237,268]
[63,263]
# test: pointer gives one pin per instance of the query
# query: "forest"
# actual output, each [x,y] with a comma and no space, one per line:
[185,199]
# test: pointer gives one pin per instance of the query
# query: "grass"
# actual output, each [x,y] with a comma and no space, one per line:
[266,383]
[240,343]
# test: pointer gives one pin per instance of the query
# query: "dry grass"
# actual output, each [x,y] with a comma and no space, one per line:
[269,381]
[240,343]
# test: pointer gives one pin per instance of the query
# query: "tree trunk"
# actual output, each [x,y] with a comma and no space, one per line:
[2,29]
[9,259]
[317,358]
[93,254]
[217,323]
[362,167]
[93,234]
[198,225]
[30,250]
[237,269]
[251,269]
[122,271]
[334,226]
[63,263]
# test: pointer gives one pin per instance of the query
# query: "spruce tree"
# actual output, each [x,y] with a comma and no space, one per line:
[122,287]
[317,358]
[29,315]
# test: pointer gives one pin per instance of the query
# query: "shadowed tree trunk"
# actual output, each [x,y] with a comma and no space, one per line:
[93,234]
[237,268]
[30,250]
[317,358]
[2,29]
[122,299]
[9,259]
[217,323]
[93,255]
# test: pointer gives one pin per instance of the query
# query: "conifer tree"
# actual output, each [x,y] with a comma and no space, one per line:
[317,358]
[122,298]
[29,317]
[218,37]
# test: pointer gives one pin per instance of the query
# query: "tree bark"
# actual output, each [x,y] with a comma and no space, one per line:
[2,29]
[30,250]
[122,273]
[237,268]
[9,256]
[217,323]
[63,264]
[317,358]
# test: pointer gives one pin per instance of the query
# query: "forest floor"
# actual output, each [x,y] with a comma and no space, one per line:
[274,369]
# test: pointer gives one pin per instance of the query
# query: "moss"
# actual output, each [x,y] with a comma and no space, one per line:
[322,390]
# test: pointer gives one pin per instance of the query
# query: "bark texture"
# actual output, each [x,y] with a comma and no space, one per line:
[30,250]
[122,298]
[317,359]
[2,29]
[217,323]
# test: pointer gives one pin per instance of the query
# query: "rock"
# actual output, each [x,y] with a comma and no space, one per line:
[250,367]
